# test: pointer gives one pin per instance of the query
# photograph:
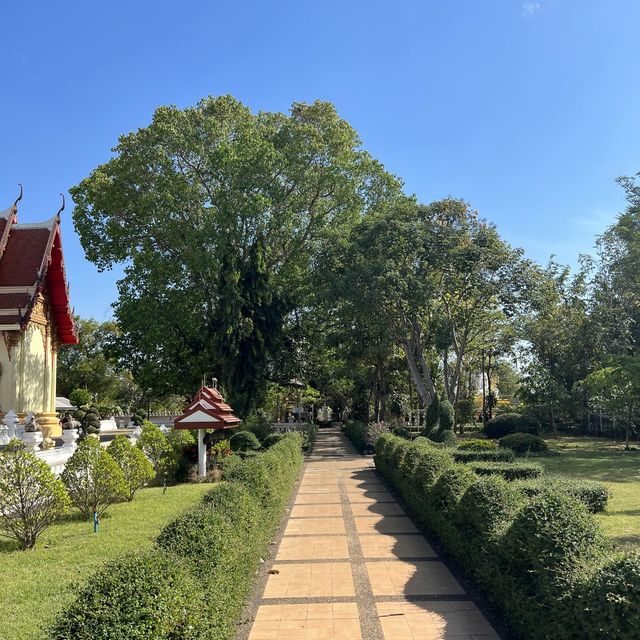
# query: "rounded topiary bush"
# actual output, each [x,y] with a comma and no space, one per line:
[550,538]
[477,444]
[507,423]
[137,597]
[446,416]
[609,605]
[431,464]
[522,443]
[401,432]
[451,485]
[448,438]
[593,495]
[244,441]
[488,505]
[271,439]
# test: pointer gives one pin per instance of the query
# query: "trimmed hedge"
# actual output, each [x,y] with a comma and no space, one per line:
[496,455]
[194,582]
[539,555]
[478,444]
[356,432]
[523,443]
[508,470]
[594,495]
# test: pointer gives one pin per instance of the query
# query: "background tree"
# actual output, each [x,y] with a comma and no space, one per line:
[214,190]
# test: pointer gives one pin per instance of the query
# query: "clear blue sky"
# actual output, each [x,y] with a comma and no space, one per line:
[529,110]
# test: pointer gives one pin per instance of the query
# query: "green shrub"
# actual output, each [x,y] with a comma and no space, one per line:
[550,538]
[609,606]
[431,464]
[93,479]
[488,505]
[136,597]
[497,455]
[258,424]
[184,452]
[194,582]
[89,418]
[508,470]
[356,432]
[432,416]
[523,443]
[507,423]
[272,438]
[80,398]
[139,417]
[446,416]
[401,432]
[451,485]
[477,444]
[31,498]
[244,441]
[448,438]
[594,495]
[135,466]
[156,446]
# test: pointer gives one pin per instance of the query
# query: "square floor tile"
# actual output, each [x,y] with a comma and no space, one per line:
[312,526]
[313,548]
[377,509]
[385,524]
[390,546]
[316,510]
[412,578]
[331,579]
[370,497]
[433,621]
[317,498]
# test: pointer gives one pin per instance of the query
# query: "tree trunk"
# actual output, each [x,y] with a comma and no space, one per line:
[424,392]
[553,422]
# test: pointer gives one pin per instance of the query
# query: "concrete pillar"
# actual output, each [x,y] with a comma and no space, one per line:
[202,454]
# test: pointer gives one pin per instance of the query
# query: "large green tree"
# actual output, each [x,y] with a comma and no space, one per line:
[216,213]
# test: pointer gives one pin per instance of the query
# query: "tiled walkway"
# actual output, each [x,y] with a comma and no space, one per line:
[351,565]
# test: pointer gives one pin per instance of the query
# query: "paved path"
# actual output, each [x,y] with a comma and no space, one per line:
[351,564]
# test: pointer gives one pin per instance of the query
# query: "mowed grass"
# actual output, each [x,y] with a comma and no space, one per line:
[607,462]
[35,585]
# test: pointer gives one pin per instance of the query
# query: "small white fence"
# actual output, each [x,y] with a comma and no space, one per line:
[55,456]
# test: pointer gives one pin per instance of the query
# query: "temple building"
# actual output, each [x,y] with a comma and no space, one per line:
[35,316]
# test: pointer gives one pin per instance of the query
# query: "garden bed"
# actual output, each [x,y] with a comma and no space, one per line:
[35,585]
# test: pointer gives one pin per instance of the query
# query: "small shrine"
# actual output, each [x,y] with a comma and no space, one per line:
[207,411]
[36,318]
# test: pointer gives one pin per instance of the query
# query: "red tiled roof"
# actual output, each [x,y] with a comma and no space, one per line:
[207,410]
[31,259]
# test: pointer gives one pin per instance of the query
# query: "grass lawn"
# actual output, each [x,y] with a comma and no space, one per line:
[34,585]
[606,461]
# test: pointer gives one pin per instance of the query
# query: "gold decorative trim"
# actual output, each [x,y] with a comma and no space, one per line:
[11,339]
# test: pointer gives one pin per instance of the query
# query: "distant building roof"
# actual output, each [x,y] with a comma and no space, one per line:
[31,261]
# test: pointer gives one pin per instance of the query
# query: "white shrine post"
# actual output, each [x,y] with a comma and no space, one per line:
[202,454]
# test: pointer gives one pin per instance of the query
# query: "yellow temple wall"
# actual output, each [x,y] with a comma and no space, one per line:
[28,372]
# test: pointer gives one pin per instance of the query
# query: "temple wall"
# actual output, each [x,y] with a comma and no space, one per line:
[6,379]
[34,392]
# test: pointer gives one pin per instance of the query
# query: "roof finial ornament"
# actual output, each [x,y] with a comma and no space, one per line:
[61,209]
[15,204]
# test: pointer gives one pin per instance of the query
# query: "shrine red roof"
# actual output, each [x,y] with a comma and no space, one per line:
[31,262]
[207,410]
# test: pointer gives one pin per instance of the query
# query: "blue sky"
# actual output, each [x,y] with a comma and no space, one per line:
[529,110]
